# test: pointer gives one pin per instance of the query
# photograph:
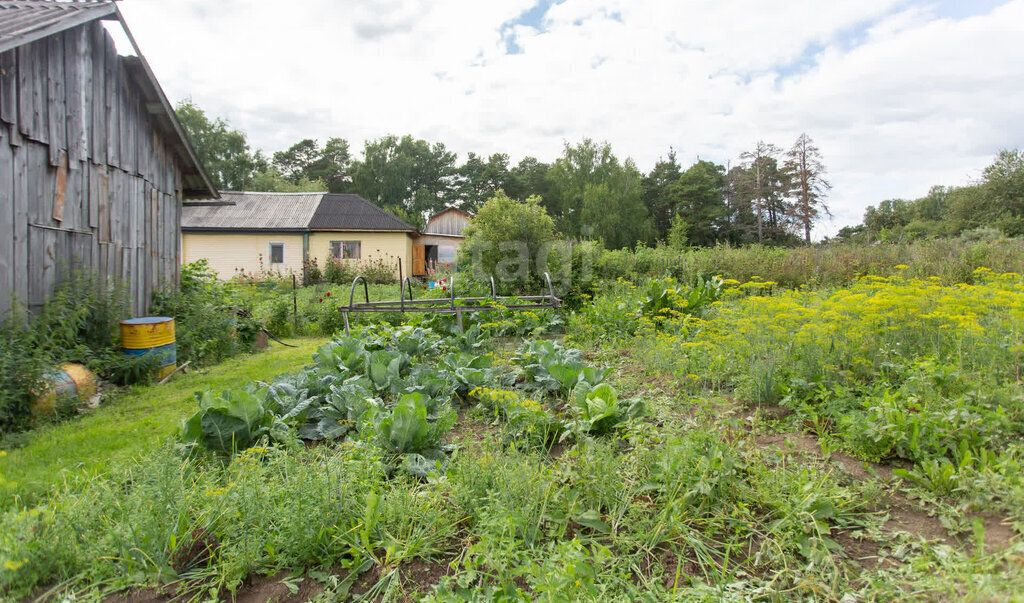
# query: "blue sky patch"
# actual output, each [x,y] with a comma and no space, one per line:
[531,17]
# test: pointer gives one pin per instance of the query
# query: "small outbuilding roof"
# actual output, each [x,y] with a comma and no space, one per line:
[286,212]
[458,210]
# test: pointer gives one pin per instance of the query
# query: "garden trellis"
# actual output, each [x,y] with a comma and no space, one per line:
[446,305]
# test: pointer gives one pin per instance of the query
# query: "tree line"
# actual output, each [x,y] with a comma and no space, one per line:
[992,206]
[771,196]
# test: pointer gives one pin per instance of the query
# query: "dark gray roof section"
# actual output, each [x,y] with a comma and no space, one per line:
[352,212]
[24,21]
[251,211]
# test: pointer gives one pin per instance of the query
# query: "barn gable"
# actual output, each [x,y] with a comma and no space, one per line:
[93,162]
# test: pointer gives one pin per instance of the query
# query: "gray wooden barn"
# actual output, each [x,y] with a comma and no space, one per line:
[94,165]
[438,245]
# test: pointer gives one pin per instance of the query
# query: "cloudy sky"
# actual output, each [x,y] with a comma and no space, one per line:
[898,94]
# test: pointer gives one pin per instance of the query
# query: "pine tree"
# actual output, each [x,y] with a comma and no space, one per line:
[758,163]
[807,183]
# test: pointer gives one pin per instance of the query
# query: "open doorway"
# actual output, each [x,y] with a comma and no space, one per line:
[430,255]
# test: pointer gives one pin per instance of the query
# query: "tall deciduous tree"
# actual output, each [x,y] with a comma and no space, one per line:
[223,151]
[808,187]
[270,179]
[593,195]
[405,173]
[307,161]
[1003,190]
[477,180]
[529,178]
[614,212]
[889,215]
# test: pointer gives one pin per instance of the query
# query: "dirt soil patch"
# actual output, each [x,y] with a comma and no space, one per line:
[421,574]
[272,588]
[861,552]
[808,444]
[558,449]
[469,431]
[904,514]
[669,563]
[774,411]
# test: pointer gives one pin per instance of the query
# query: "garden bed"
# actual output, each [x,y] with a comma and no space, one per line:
[711,441]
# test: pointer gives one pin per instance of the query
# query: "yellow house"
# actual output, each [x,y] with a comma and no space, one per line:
[277,233]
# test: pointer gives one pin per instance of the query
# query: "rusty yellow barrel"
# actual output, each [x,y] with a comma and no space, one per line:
[73,380]
[151,335]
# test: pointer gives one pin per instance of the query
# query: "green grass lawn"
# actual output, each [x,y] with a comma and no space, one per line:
[131,423]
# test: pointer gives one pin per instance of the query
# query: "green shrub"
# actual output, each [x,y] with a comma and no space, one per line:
[280,321]
[81,318]
[505,240]
[211,321]
[380,270]
[22,365]
[311,273]
[339,272]
[78,323]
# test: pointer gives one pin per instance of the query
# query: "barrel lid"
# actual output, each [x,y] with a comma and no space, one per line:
[146,320]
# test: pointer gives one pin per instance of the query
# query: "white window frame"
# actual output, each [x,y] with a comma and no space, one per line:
[341,248]
[270,253]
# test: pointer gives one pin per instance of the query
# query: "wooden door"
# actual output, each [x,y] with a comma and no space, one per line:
[419,260]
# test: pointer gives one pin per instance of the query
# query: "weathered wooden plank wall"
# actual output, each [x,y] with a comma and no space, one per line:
[87,179]
[449,223]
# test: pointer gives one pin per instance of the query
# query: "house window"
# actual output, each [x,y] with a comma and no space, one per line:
[446,254]
[277,253]
[346,250]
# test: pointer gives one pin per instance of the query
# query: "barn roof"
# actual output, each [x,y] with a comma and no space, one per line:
[451,209]
[26,21]
[286,212]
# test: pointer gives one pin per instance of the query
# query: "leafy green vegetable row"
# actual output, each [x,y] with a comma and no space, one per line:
[396,388]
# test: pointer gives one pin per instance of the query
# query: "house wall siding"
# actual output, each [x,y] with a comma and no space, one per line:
[388,246]
[229,252]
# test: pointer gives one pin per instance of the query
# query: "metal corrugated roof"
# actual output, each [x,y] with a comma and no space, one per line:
[251,211]
[24,21]
[352,212]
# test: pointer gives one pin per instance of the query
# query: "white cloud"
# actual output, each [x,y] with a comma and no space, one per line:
[897,97]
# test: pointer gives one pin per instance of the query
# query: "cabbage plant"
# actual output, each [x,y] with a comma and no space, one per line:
[598,410]
[232,421]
